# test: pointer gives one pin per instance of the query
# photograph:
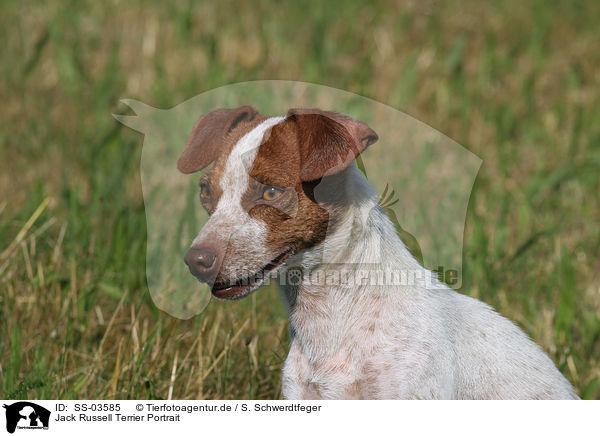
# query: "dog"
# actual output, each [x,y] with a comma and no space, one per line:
[284,198]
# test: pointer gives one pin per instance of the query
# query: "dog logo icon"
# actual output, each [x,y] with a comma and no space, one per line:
[26,415]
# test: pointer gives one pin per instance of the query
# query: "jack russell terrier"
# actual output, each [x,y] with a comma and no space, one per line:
[283,197]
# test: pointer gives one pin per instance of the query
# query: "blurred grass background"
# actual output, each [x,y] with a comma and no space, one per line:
[518,83]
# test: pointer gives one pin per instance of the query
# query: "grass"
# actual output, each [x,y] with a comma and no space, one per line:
[517,83]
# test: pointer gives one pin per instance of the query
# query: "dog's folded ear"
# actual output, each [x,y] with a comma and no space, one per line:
[328,141]
[205,141]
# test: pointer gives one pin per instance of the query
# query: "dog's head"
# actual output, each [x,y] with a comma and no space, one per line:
[260,191]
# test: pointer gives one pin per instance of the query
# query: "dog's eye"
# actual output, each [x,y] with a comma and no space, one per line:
[204,191]
[271,193]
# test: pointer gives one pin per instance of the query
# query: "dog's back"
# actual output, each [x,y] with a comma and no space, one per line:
[478,354]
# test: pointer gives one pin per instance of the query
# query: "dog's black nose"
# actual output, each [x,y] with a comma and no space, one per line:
[202,262]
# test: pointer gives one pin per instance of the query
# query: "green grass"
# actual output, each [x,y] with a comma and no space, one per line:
[517,83]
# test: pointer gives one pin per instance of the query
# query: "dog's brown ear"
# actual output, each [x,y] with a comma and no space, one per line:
[204,144]
[328,141]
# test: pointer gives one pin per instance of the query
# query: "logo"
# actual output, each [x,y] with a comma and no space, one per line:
[26,415]
[431,174]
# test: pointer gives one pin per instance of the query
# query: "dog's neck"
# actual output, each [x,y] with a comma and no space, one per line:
[336,291]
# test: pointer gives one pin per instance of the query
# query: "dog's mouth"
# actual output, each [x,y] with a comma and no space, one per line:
[243,287]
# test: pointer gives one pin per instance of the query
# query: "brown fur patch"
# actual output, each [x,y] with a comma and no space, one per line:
[300,222]
[328,141]
[354,391]
[306,155]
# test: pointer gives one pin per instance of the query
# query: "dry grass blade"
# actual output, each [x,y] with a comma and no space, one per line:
[225,349]
[98,355]
[161,348]
[115,377]
[23,232]
[173,376]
